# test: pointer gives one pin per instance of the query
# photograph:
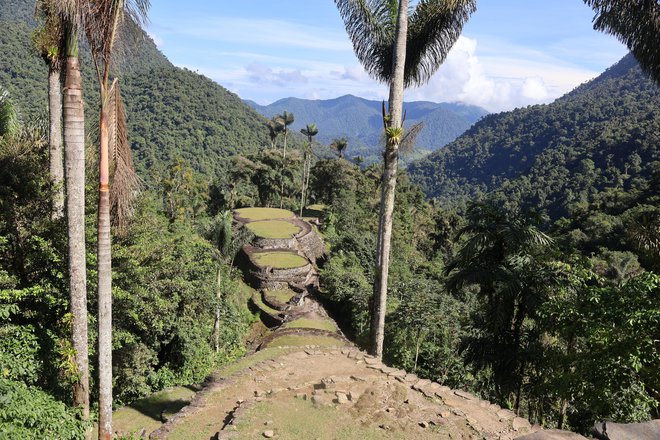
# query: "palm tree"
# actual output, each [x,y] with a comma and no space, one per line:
[399,51]
[73,123]
[339,145]
[101,20]
[505,256]
[310,131]
[274,130]
[636,23]
[8,118]
[284,120]
[49,40]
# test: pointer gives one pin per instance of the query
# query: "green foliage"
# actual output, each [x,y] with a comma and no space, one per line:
[30,414]
[604,134]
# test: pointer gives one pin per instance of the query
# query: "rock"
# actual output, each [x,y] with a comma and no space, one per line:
[411,378]
[370,360]
[444,414]
[465,395]
[269,433]
[259,393]
[359,378]
[318,400]
[352,396]
[626,431]
[505,414]
[552,434]
[424,424]
[341,398]
[422,383]
[520,424]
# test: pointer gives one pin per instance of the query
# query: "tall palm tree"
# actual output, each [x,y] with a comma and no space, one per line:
[505,256]
[339,145]
[636,23]
[398,50]
[274,130]
[284,120]
[49,40]
[101,21]
[310,131]
[73,123]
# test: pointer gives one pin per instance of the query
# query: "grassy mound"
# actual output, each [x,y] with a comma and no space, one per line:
[279,259]
[282,296]
[294,418]
[147,413]
[303,340]
[264,213]
[320,324]
[273,228]
[256,299]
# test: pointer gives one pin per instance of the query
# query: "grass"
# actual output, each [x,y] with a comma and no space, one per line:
[146,413]
[273,229]
[279,259]
[282,296]
[259,356]
[264,213]
[299,419]
[320,324]
[256,298]
[302,340]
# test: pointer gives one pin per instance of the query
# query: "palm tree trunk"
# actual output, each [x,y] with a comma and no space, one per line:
[391,160]
[302,186]
[55,141]
[104,282]
[216,324]
[74,153]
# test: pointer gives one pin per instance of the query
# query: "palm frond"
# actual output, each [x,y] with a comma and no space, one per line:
[125,182]
[409,138]
[371,26]
[433,28]
[9,124]
[636,23]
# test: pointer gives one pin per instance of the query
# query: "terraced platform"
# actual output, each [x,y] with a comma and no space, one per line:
[307,381]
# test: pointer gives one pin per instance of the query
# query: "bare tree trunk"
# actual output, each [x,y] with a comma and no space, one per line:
[74,152]
[391,160]
[104,282]
[216,324]
[55,141]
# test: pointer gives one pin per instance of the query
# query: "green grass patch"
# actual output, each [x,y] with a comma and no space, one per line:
[259,356]
[273,229]
[256,298]
[282,296]
[146,413]
[279,259]
[302,340]
[300,419]
[264,213]
[319,324]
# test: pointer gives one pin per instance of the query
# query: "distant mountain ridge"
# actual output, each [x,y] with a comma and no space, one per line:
[360,120]
[603,135]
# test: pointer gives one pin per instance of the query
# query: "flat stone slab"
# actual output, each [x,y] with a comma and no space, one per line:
[552,434]
[628,431]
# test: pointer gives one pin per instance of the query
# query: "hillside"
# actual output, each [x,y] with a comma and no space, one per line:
[171,111]
[360,121]
[603,134]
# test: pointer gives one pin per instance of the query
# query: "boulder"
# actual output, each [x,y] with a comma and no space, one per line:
[627,431]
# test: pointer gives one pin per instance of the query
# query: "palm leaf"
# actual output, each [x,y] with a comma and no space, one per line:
[125,182]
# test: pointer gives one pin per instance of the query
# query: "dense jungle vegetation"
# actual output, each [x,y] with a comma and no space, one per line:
[530,279]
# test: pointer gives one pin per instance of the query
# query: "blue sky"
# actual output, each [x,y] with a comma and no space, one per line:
[512,52]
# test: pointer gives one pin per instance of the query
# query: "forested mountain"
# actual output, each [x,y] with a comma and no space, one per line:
[171,111]
[360,121]
[604,134]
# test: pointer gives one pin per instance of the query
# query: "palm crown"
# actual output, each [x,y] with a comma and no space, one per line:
[433,28]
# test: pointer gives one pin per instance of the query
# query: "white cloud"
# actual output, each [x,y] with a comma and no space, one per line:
[522,78]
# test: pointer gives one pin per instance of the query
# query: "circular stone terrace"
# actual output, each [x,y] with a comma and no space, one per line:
[245,215]
[278,259]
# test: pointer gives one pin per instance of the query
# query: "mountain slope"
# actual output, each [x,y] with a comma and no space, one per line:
[171,111]
[605,133]
[360,121]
